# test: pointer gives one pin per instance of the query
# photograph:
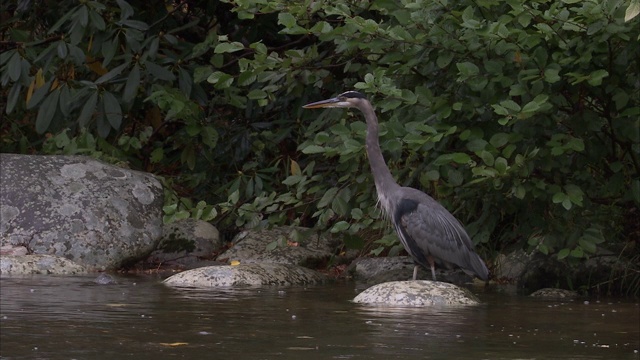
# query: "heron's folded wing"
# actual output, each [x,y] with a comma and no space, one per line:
[438,233]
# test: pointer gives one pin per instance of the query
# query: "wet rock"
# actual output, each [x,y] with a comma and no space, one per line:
[513,265]
[250,246]
[400,268]
[555,294]
[105,279]
[416,293]
[96,214]
[186,243]
[39,264]
[603,267]
[246,275]
[382,269]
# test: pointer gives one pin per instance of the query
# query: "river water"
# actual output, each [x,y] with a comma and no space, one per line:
[49,317]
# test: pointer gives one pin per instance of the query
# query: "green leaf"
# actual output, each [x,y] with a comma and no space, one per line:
[135,24]
[185,82]
[511,105]
[632,10]
[574,193]
[63,51]
[14,68]
[531,107]
[220,79]
[12,98]
[157,155]
[558,197]
[461,158]
[587,245]
[468,69]
[340,226]
[500,110]
[487,157]
[593,235]
[563,253]
[65,100]
[327,197]
[501,165]
[209,136]
[498,140]
[340,206]
[47,111]
[551,75]
[595,78]
[131,87]
[112,110]
[202,73]
[577,253]
[97,21]
[88,109]
[102,125]
[286,19]
[313,149]
[228,47]
[432,175]
[126,11]
[109,49]
[111,74]
[444,59]
[256,94]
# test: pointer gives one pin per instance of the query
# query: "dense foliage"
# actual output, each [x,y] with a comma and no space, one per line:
[520,117]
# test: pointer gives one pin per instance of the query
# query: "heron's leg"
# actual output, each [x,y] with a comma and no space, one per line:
[415,272]
[433,267]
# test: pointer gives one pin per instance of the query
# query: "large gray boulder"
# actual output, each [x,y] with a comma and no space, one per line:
[416,293]
[95,214]
[246,275]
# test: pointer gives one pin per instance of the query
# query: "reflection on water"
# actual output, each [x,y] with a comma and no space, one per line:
[47,317]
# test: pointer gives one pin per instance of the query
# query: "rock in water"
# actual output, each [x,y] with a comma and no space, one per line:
[246,275]
[416,293]
[105,279]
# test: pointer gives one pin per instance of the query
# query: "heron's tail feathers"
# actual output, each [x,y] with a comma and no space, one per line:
[477,267]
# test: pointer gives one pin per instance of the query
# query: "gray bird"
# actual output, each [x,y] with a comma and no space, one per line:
[426,229]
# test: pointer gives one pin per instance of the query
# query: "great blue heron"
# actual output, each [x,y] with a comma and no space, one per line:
[426,229]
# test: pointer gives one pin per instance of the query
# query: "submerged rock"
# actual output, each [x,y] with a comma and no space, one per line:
[555,294]
[246,274]
[98,215]
[416,293]
[39,264]
[105,279]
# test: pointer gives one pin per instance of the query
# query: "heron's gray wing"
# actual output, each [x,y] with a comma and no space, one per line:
[431,230]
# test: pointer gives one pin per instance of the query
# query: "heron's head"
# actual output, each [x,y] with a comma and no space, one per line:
[345,100]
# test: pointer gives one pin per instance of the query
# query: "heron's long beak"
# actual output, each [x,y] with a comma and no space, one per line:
[333,102]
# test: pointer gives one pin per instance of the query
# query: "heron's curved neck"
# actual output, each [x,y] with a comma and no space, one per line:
[381,174]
